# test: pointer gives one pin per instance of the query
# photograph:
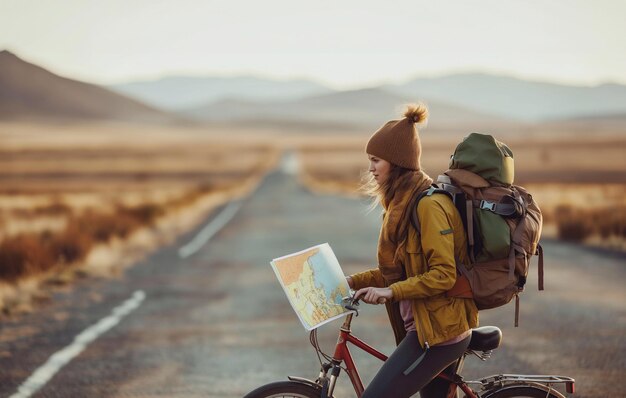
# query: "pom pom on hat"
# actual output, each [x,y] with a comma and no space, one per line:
[417,113]
[397,141]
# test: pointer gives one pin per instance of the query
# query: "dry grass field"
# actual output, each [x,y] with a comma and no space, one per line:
[77,198]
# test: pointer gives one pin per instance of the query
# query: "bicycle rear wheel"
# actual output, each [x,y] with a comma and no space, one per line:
[285,389]
[523,391]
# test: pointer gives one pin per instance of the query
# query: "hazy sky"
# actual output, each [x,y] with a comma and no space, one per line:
[343,43]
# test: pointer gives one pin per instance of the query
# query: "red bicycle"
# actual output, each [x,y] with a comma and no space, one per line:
[483,341]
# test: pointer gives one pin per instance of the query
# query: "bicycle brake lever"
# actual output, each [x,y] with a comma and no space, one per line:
[350,300]
[351,303]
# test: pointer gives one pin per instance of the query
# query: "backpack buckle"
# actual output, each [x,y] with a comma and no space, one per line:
[486,205]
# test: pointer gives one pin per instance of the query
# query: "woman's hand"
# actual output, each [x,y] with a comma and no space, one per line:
[374,295]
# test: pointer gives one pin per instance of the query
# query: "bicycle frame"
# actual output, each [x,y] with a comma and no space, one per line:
[488,385]
[342,354]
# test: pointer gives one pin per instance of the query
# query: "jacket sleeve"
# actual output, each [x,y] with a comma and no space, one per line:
[372,277]
[437,242]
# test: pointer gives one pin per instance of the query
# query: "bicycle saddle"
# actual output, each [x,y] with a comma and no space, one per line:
[485,338]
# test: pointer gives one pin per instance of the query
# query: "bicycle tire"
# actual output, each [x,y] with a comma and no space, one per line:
[285,389]
[523,391]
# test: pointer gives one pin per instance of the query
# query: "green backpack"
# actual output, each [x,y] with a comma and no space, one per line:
[502,221]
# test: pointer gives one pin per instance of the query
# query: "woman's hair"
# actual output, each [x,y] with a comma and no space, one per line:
[399,179]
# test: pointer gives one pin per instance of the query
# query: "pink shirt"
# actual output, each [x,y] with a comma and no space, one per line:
[406,311]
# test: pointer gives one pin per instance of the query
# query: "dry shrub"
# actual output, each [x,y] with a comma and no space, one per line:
[144,214]
[576,225]
[70,245]
[611,222]
[33,253]
[200,190]
[102,227]
[22,255]
[572,224]
[126,219]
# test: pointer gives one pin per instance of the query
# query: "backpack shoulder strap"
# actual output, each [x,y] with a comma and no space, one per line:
[540,269]
[415,202]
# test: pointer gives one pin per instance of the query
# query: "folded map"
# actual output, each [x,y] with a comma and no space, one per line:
[314,283]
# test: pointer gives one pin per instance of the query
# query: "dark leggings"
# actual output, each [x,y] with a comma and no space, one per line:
[390,380]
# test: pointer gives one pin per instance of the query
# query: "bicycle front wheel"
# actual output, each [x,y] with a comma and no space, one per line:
[285,389]
[523,391]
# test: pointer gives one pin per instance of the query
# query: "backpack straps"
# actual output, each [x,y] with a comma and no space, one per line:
[516,310]
[415,201]
[540,282]
[501,209]
[516,238]
[469,212]
[540,267]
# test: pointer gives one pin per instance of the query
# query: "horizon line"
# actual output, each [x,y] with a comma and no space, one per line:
[373,83]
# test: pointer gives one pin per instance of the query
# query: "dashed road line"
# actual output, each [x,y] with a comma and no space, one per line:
[44,373]
[209,230]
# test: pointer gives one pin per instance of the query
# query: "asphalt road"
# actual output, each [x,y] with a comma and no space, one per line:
[217,323]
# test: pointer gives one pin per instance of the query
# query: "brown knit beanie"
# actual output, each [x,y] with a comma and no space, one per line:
[398,141]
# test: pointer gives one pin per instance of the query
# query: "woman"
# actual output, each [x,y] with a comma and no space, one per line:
[414,270]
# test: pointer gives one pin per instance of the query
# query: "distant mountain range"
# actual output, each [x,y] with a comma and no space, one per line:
[367,108]
[28,91]
[502,96]
[182,92]
[519,99]
[456,103]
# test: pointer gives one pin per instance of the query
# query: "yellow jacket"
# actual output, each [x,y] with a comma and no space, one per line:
[429,263]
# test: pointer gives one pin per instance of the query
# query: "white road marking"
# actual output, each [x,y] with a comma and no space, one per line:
[290,163]
[44,373]
[209,230]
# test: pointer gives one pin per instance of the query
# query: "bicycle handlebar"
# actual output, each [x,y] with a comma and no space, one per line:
[351,303]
